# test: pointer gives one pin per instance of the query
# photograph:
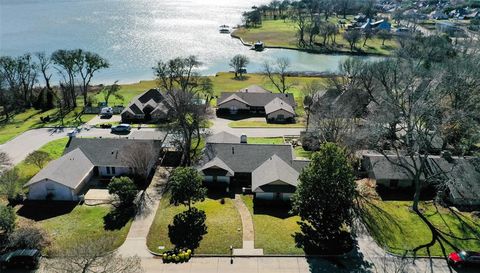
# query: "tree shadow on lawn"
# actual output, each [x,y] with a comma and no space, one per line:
[468,232]
[278,209]
[376,220]
[117,218]
[354,261]
[188,229]
[42,210]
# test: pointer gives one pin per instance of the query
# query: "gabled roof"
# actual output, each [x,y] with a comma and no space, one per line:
[278,104]
[244,158]
[232,97]
[217,163]
[133,109]
[69,170]
[151,98]
[108,151]
[152,94]
[256,99]
[274,171]
[223,137]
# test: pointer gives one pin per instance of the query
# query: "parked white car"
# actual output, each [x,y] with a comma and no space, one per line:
[106,112]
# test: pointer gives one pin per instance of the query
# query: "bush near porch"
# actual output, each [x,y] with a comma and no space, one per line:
[224,226]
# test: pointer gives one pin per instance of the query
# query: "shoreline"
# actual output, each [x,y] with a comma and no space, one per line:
[312,51]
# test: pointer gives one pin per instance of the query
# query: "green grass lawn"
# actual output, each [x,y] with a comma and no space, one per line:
[222,224]
[398,229]
[30,119]
[81,222]
[274,231]
[284,34]
[300,152]
[53,148]
[265,140]
[262,124]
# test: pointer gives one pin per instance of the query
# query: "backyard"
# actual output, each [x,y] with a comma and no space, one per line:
[395,227]
[223,222]
[298,150]
[222,82]
[282,33]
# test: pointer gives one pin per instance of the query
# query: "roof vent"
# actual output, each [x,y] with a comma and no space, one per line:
[246,90]
[243,138]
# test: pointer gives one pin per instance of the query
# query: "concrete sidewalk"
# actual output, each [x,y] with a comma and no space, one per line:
[136,241]
[248,232]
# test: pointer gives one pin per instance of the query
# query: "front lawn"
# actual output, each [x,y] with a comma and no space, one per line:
[81,222]
[224,226]
[284,34]
[274,229]
[397,228]
[262,124]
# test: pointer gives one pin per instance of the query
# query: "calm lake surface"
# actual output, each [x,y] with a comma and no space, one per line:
[134,34]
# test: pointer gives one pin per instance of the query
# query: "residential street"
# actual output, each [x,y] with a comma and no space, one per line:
[31,140]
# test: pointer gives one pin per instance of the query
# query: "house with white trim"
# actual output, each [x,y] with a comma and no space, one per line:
[270,171]
[255,100]
[68,177]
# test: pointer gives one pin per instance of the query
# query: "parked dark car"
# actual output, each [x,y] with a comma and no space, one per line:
[22,258]
[463,258]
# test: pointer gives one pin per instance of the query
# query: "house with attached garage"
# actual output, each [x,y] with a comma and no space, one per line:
[254,100]
[68,177]
[269,171]
[459,177]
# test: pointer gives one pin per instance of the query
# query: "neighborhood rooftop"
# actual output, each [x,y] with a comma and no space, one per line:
[256,99]
[108,151]
[69,170]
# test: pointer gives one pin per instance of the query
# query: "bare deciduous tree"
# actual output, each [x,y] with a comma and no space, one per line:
[92,256]
[183,92]
[141,157]
[278,73]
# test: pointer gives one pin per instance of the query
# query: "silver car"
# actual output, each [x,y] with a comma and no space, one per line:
[121,128]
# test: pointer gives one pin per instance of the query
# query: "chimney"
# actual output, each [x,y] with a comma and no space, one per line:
[243,138]
[246,90]
[233,150]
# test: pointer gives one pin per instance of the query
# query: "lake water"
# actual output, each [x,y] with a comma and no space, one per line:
[134,34]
